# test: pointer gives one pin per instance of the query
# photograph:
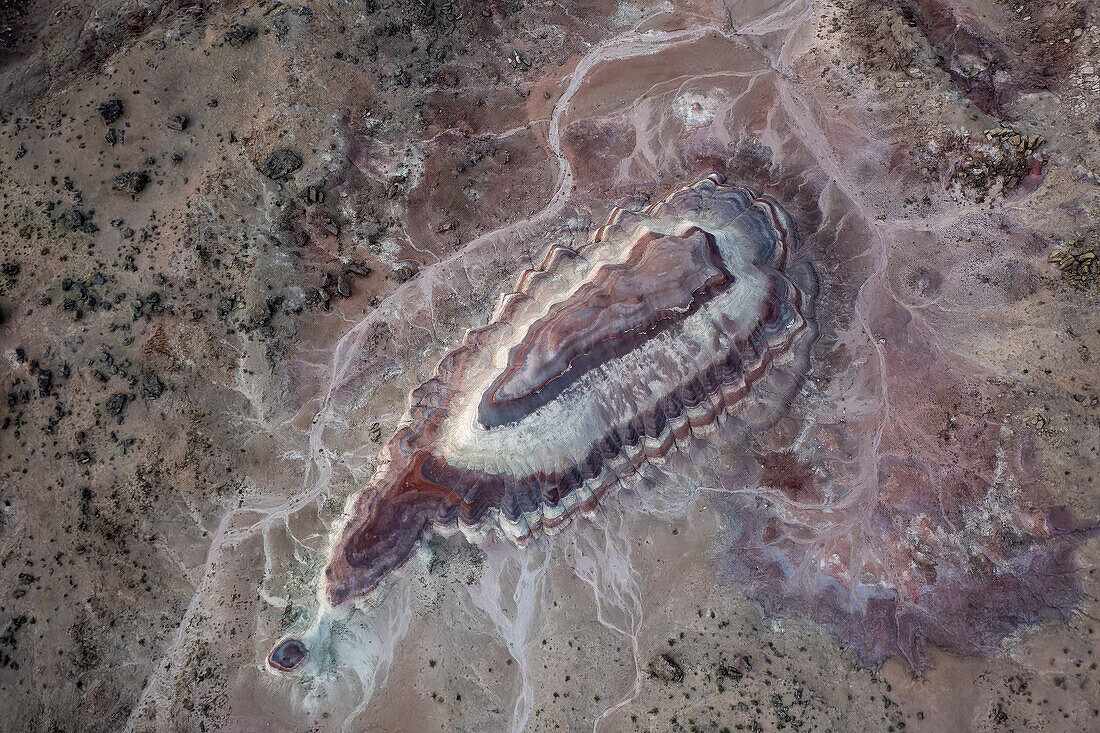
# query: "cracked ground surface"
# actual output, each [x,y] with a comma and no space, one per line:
[236,236]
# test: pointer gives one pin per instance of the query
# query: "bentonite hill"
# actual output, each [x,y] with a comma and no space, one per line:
[502,365]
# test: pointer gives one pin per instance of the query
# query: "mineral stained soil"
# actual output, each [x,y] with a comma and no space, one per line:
[236,238]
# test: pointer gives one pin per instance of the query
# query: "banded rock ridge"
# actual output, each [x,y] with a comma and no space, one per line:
[691,316]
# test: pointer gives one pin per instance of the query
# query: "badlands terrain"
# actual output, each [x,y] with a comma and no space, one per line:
[246,249]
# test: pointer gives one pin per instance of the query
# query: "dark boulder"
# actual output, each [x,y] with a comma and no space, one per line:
[281,164]
[152,385]
[110,110]
[131,182]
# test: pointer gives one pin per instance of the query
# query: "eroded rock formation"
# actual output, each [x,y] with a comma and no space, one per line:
[690,316]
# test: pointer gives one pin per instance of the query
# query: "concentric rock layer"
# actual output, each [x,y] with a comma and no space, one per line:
[686,318]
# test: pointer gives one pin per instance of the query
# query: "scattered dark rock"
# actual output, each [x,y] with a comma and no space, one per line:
[730,673]
[318,297]
[665,668]
[358,268]
[736,671]
[116,403]
[1078,265]
[131,182]
[178,123]
[152,385]
[280,164]
[115,136]
[74,219]
[238,35]
[10,269]
[45,382]
[110,110]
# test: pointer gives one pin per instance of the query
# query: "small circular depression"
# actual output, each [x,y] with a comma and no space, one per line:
[287,655]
